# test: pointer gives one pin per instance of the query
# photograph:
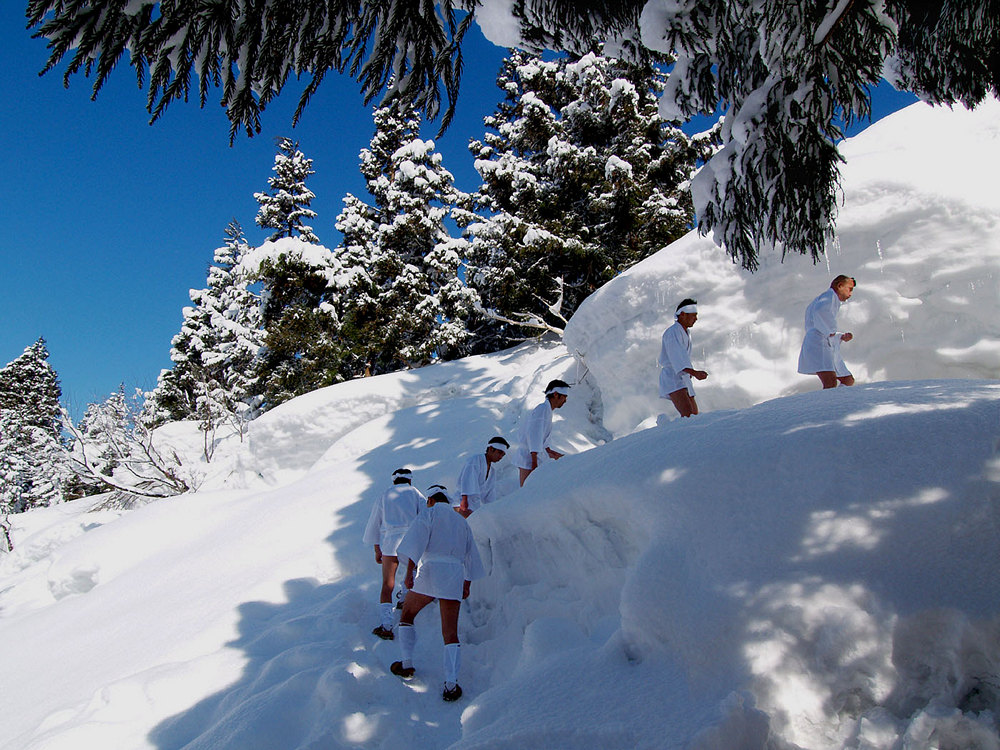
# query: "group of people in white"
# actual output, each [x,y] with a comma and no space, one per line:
[430,532]
[432,535]
[820,353]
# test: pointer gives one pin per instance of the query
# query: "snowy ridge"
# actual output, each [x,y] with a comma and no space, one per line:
[789,569]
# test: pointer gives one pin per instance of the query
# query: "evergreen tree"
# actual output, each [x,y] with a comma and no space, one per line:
[286,207]
[30,386]
[34,464]
[581,179]
[302,348]
[215,350]
[249,49]
[403,303]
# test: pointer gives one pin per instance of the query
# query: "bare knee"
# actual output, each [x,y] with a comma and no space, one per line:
[828,378]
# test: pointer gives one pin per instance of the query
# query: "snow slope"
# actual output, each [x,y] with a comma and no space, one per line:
[920,231]
[816,570]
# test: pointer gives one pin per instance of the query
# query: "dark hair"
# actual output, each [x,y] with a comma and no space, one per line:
[556,384]
[438,489]
[841,279]
[685,302]
[399,478]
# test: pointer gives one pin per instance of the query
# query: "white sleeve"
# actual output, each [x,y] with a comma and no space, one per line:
[824,318]
[675,347]
[664,359]
[373,530]
[469,481]
[473,563]
[536,432]
[414,542]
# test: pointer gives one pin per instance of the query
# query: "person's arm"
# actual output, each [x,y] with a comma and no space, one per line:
[469,483]
[675,347]
[411,568]
[466,589]
[536,433]
[378,555]
[824,317]
[463,506]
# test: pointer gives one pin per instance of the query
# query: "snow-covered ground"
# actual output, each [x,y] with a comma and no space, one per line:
[790,568]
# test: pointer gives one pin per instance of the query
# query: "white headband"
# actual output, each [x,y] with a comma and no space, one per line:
[499,444]
[402,473]
[558,389]
[687,309]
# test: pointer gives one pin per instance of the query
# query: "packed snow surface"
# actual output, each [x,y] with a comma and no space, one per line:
[791,568]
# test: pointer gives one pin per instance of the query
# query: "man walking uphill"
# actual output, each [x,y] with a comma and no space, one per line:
[391,515]
[533,437]
[441,542]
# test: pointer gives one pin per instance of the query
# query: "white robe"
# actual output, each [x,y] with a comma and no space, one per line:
[477,481]
[820,350]
[675,357]
[533,436]
[441,543]
[391,515]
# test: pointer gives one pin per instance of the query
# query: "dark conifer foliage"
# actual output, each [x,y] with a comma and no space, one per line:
[786,72]
[249,49]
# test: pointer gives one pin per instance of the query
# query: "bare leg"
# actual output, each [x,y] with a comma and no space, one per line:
[389,565]
[412,605]
[524,474]
[846,380]
[449,619]
[828,378]
[684,402]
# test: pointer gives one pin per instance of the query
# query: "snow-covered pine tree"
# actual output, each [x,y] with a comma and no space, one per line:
[215,350]
[581,179]
[104,428]
[302,348]
[249,49]
[403,302]
[286,207]
[34,464]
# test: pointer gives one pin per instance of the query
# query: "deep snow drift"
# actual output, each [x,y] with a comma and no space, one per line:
[817,570]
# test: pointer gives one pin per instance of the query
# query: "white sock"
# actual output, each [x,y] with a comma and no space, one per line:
[452,662]
[407,642]
[385,614]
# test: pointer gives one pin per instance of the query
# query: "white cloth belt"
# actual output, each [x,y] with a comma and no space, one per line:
[440,559]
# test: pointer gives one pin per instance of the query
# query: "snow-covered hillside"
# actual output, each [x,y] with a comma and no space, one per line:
[918,229]
[818,570]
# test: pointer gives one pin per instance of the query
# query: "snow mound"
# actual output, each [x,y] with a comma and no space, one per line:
[817,569]
[918,230]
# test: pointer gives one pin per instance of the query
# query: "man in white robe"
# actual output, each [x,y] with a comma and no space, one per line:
[477,480]
[820,352]
[533,437]
[442,554]
[390,517]
[675,360]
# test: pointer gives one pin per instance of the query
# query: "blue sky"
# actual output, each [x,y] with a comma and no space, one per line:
[108,221]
